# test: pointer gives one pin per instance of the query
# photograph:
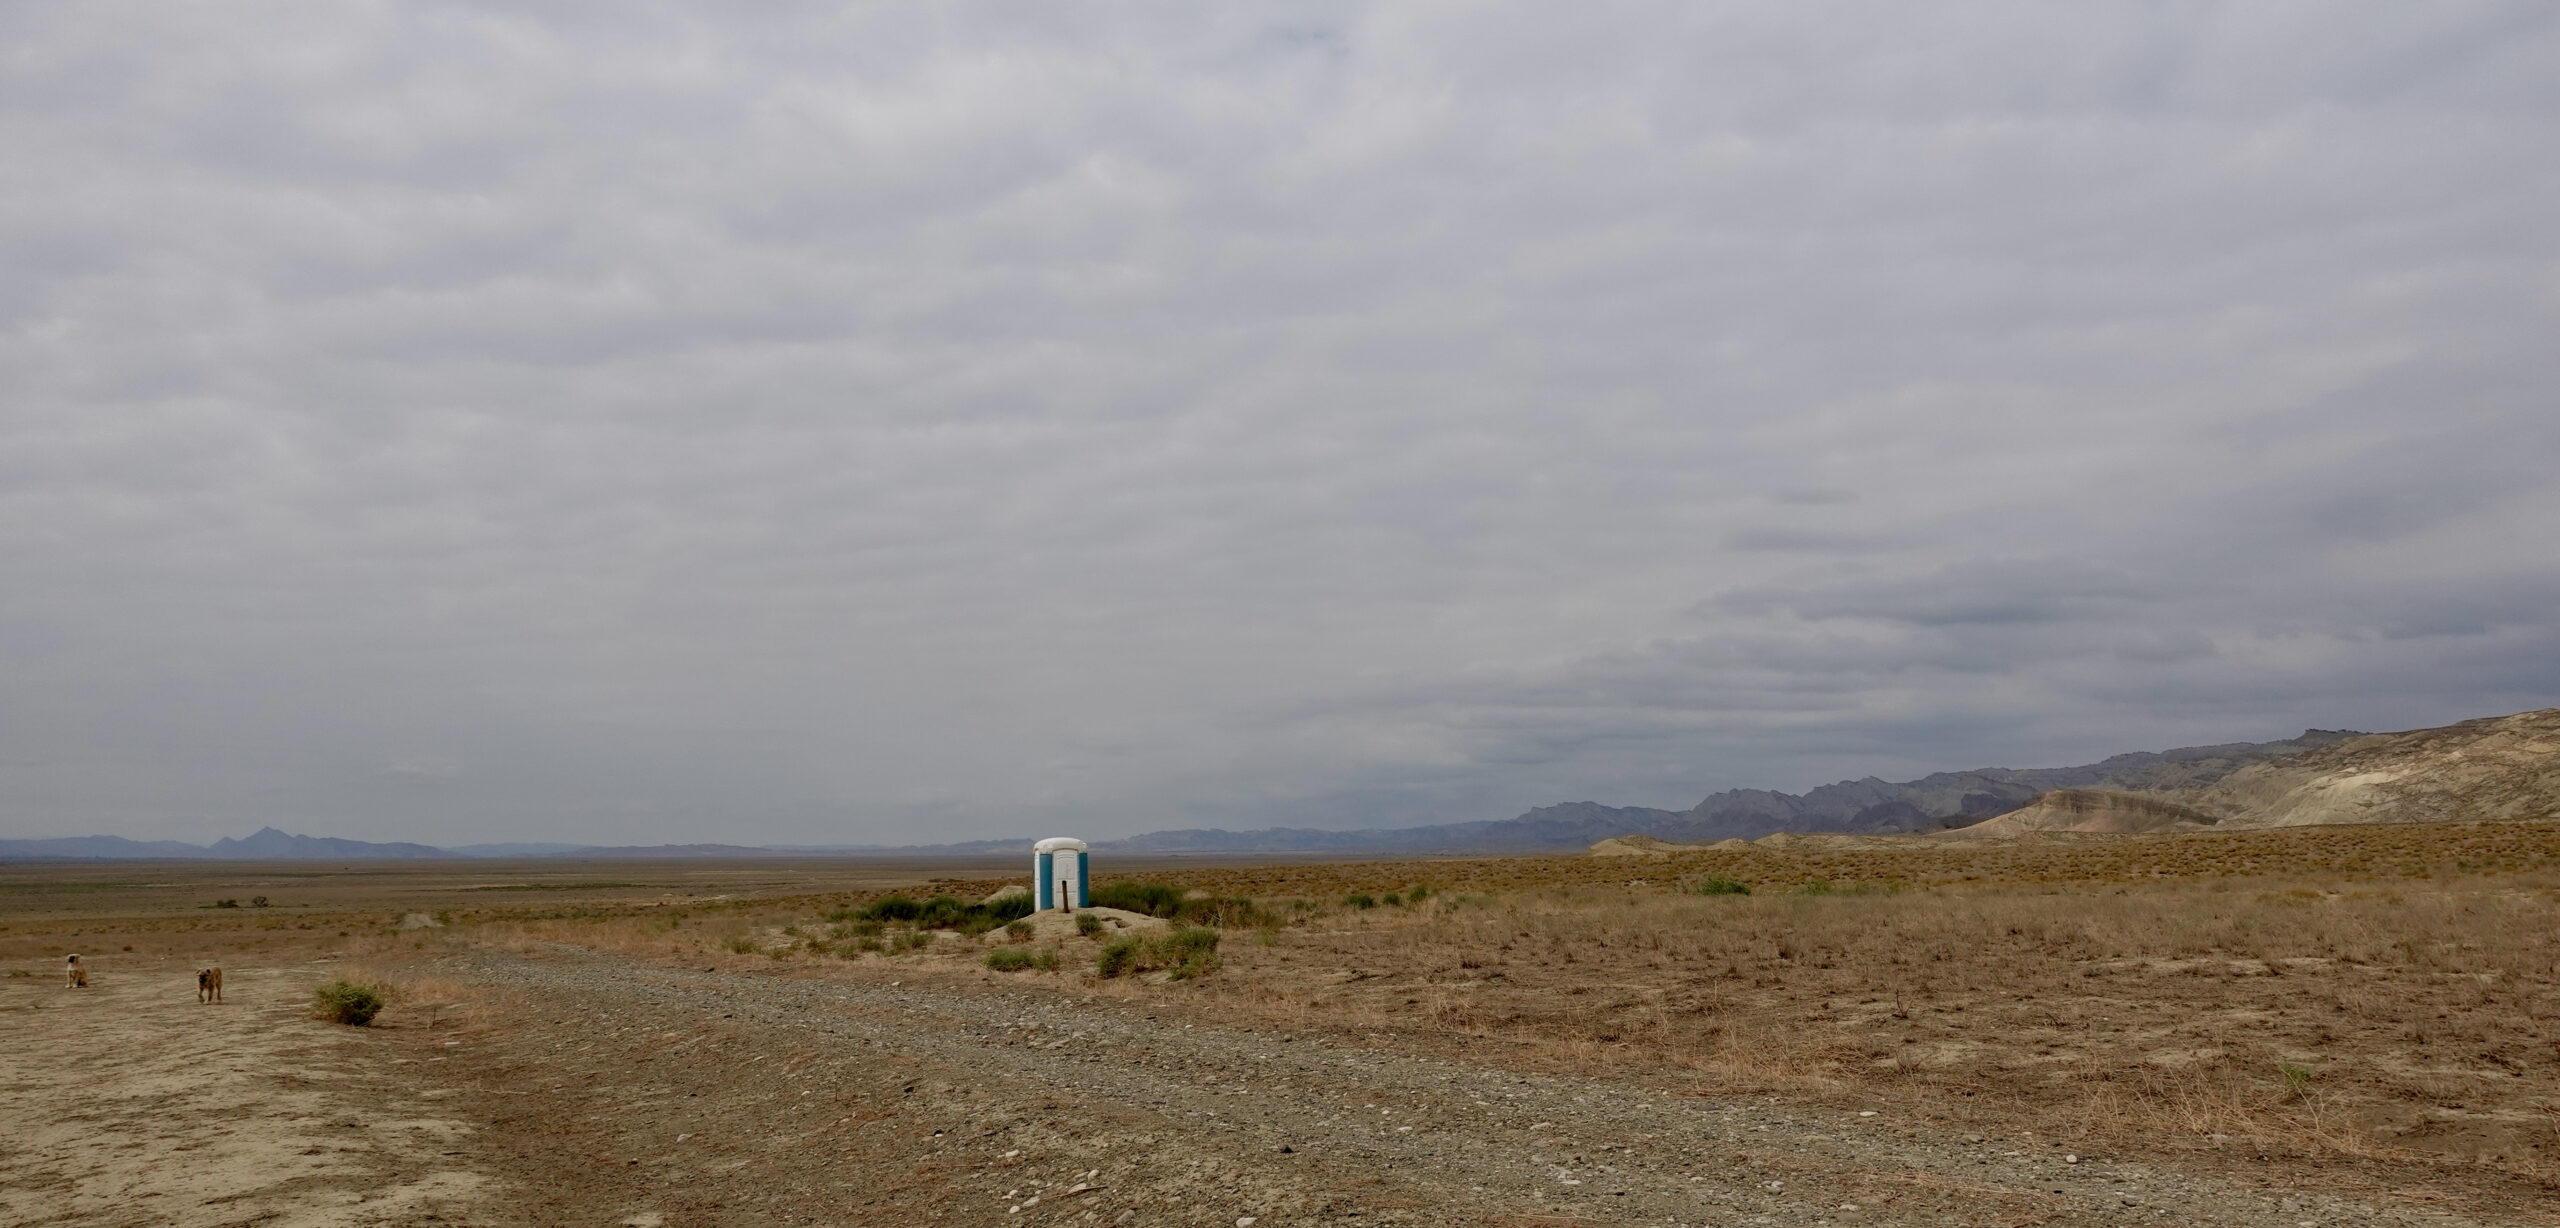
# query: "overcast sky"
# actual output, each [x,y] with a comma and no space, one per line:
[770,423]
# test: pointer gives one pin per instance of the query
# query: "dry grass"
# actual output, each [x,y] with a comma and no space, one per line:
[2414,1022]
[2385,996]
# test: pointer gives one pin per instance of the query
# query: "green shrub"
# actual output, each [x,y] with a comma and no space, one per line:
[1359,901]
[916,940]
[1088,925]
[1176,904]
[347,1002]
[1722,886]
[1417,895]
[1019,931]
[742,945]
[1153,899]
[891,908]
[1187,952]
[1021,959]
[1220,911]
[942,912]
[1119,956]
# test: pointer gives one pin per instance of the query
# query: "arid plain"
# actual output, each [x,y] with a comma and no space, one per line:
[2322,1025]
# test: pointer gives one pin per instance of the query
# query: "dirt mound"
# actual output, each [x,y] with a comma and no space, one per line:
[2504,767]
[1046,926]
[1641,846]
[2089,810]
[1813,840]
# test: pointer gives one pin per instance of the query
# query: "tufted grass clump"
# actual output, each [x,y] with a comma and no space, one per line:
[1022,959]
[942,912]
[1722,886]
[348,1002]
[1185,953]
[1180,905]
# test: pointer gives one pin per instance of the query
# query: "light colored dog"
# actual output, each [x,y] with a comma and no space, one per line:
[73,975]
[209,984]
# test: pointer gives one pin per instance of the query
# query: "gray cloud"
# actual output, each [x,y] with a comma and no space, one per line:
[456,422]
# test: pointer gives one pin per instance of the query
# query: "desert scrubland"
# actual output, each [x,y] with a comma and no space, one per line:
[2311,1024]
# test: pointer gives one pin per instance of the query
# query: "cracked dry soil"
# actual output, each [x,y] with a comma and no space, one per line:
[613,1091]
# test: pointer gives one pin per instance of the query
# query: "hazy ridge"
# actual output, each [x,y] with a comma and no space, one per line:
[1866,806]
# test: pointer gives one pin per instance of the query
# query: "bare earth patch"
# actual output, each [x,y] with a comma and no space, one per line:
[130,1103]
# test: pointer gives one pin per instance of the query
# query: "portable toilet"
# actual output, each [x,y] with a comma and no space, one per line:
[1059,878]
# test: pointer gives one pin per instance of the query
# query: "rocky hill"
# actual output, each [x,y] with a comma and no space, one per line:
[2505,767]
[2091,810]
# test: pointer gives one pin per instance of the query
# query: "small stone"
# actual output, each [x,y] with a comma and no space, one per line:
[2070,1159]
[1245,1221]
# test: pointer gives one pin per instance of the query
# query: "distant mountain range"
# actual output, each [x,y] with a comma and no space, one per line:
[1863,807]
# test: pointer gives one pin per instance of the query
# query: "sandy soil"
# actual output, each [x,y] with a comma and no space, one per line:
[129,1103]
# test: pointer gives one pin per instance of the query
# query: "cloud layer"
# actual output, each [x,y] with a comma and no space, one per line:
[631,422]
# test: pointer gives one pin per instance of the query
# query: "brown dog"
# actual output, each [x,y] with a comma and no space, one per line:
[209,984]
[73,975]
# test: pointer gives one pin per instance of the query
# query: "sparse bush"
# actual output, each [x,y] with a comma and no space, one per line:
[891,908]
[1722,886]
[224,904]
[1393,900]
[1187,952]
[347,1002]
[1418,894]
[1019,931]
[2296,1078]
[942,912]
[1359,901]
[1088,925]
[1153,899]
[742,945]
[1176,904]
[1022,959]
[916,940]
[1118,957]
[257,901]
[1220,911]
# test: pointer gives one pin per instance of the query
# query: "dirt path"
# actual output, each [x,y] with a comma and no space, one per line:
[630,1093]
[129,1103]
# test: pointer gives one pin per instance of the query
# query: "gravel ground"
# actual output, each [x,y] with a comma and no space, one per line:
[621,1092]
